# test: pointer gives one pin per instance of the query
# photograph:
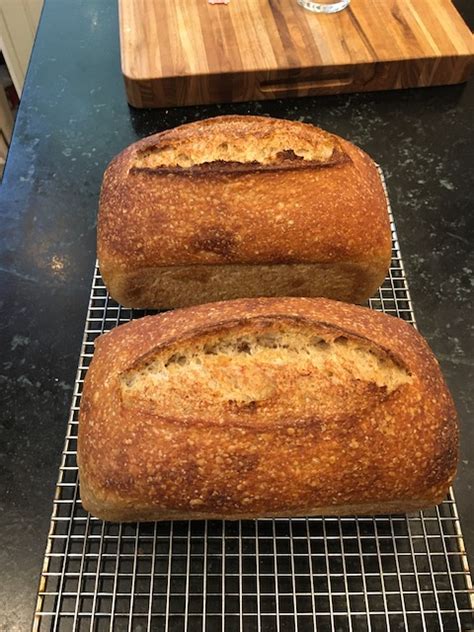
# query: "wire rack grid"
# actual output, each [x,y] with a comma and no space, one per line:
[371,574]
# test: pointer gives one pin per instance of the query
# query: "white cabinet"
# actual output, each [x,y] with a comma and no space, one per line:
[18,23]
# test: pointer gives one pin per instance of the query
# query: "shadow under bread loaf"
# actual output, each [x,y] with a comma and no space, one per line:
[264,407]
[242,206]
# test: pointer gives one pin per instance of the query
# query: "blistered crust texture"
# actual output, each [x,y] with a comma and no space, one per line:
[242,190]
[391,445]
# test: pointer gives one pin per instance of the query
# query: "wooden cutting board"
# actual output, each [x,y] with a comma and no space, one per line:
[186,52]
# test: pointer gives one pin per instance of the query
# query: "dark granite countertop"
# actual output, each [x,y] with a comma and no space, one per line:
[73,118]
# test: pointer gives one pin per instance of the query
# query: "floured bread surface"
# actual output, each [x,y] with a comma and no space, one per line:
[263,374]
[242,141]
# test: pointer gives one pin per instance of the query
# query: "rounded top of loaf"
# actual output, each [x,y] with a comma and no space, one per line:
[242,190]
[239,143]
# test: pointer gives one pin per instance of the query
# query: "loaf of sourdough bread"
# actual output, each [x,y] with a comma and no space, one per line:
[264,407]
[242,206]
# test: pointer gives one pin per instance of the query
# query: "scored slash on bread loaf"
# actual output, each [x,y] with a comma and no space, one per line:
[242,206]
[264,407]
[275,365]
[239,141]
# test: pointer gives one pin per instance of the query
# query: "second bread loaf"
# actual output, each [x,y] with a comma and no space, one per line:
[264,407]
[242,206]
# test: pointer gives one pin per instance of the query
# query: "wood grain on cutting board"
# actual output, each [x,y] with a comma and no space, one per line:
[183,52]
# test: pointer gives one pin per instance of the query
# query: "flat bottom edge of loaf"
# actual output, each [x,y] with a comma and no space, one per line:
[364,509]
[171,287]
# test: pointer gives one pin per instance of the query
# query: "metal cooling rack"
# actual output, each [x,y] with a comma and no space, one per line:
[327,574]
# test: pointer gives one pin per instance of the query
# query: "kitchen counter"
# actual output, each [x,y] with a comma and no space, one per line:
[73,119]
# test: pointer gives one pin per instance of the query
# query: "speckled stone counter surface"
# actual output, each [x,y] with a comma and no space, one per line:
[73,118]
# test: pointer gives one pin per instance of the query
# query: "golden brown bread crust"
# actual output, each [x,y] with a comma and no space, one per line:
[156,222]
[399,455]
[165,286]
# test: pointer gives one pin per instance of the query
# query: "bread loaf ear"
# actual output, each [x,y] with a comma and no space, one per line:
[242,206]
[264,407]
[231,140]
[265,373]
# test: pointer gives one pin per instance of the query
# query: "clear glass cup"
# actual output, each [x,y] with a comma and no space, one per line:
[324,6]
